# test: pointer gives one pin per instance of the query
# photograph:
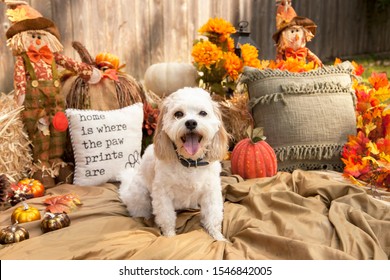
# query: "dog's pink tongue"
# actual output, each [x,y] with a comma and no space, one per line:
[191,145]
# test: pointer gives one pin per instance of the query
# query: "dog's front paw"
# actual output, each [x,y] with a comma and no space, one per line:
[169,233]
[217,235]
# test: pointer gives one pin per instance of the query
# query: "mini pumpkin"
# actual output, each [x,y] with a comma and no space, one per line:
[54,221]
[13,234]
[33,186]
[25,213]
[107,60]
[253,158]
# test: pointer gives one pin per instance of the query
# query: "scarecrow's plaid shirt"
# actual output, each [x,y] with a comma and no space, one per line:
[44,71]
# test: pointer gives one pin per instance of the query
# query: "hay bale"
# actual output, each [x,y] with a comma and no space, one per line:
[15,152]
[235,115]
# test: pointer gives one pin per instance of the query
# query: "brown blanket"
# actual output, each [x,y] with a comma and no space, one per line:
[303,215]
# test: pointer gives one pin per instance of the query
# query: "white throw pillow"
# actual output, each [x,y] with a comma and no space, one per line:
[105,142]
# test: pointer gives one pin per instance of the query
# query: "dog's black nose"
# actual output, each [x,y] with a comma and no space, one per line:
[191,124]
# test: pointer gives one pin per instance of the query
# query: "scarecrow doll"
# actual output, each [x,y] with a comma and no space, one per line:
[35,43]
[293,32]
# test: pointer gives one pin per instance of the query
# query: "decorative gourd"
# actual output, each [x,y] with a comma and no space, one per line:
[253,158]
[116,89]
[25,213]
[13,234]
[35,187]
[54,221]
[165,78]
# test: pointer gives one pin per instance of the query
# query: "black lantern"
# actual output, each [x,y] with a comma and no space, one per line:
[242,37]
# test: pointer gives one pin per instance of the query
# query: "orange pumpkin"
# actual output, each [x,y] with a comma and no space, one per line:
[25,213]
[107,60]
[253,158]
[33,186]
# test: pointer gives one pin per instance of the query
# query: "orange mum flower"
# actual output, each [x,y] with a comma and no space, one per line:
[219,27]
[230,44]
[205,53]
[250,55]
[233,65]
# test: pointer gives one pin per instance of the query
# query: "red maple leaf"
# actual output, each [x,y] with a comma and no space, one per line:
[62,203]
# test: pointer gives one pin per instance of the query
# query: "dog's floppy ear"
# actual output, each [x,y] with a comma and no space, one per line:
[163,147]
[220,142]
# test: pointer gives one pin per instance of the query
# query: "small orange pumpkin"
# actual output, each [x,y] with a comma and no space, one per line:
[107,60]
[253,158]
[33,186]
[25,213]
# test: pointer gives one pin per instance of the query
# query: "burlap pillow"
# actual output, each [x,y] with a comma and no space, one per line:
[306,117]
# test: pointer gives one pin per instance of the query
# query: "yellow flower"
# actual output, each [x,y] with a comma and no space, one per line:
[205,53]
[233,65]
[250,55]
[218,26]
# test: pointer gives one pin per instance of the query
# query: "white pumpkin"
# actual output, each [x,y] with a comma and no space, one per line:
[167,77]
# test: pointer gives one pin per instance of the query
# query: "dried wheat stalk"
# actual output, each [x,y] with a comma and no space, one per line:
[15,152]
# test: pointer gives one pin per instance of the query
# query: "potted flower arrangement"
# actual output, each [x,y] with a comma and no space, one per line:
[215,59]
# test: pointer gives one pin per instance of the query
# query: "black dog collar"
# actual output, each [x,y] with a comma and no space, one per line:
[187,162]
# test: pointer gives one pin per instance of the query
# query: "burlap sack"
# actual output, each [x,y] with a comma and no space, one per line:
[306,117]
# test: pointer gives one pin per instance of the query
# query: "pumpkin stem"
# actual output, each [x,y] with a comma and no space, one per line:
[25,205]
[50,214]
[83,53]
[256,134]
[14,226]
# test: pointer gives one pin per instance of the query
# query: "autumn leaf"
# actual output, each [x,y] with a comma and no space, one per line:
[337,61]
[358,68]
[62,203]
[354,180]
[369,127]
[383,94]
[16,15]
[378,80]
[356,166]
[373,148]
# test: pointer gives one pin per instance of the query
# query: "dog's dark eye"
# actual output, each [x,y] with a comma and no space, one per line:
[203,113]
[179,114]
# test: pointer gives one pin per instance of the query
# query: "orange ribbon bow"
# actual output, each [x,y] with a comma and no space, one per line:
[300,54]
[43,53]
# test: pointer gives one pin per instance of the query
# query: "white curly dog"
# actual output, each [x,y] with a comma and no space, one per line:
[182,168]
